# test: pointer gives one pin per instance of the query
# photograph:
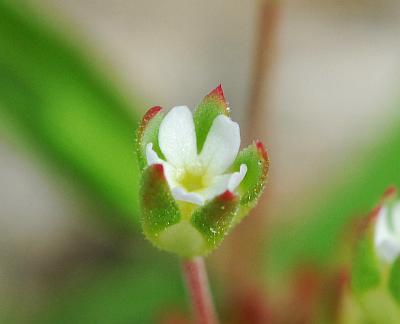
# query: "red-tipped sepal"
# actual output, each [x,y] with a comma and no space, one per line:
[256,158]
[213,104]
[158,208]
[250,189]
[214,219]
[147,132]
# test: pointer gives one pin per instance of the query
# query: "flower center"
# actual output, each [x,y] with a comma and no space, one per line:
[192,181]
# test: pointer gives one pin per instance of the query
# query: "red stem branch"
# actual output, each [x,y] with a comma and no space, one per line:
[269,11]
[197,284]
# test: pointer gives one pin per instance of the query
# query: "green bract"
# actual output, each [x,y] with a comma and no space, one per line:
[365,274]
[195,185]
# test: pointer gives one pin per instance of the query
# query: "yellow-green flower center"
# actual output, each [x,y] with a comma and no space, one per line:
[193,180]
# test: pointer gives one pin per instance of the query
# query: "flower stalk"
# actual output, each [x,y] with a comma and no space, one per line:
[195,274]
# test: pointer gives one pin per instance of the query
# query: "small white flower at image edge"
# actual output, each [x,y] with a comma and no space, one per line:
[387,232]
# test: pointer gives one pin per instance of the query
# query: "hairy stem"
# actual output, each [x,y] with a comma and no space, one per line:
[195,274]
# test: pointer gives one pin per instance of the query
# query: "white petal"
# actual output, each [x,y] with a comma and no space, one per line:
[237,178]
[386,243]
[218,186]
[221,145]
[151,155]
[388,250]
[224,182]
[169,170]
[180,193]
[381,226]
[177,137]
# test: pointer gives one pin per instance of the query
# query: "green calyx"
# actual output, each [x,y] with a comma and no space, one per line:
[184,229]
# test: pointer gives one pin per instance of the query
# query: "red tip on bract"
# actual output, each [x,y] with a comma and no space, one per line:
[261,150]
[227,196]
[390,193]
[218,92]
[362,225]
[218,95]
[151,113]
[373,215]
[159,169]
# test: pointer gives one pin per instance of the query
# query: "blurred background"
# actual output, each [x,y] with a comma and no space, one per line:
[317,81]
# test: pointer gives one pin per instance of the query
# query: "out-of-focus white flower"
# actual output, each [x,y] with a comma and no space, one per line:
[197,177]
[387,232]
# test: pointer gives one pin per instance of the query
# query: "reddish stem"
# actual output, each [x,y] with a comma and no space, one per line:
[196,279]
[269,13]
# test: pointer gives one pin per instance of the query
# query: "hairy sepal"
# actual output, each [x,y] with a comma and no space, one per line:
[147,132]
[158,208]
[250,189]
[214,219]
[213,104]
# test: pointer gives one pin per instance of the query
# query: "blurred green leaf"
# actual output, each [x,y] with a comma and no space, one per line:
[360,185]
[130,293]
[64,109]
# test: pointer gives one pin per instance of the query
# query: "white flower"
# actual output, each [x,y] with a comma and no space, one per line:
[197,177]
[387,232]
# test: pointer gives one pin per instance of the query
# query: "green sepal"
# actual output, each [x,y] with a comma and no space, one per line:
[256,158]
[147,132]
[394,280]
[214,219]
[213,104]
[158,208]
[365,273]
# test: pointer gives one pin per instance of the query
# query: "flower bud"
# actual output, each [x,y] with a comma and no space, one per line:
[195,184]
